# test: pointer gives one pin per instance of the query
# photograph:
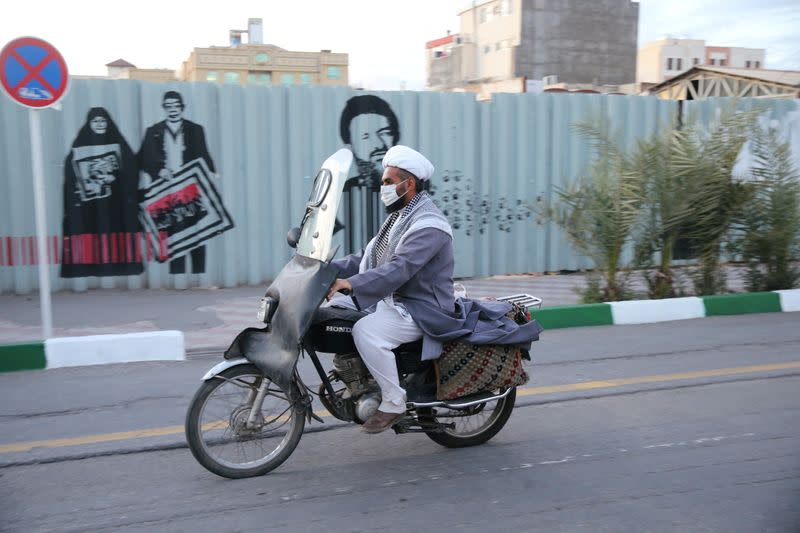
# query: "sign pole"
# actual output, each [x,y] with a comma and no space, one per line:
[34,74]
[41,222]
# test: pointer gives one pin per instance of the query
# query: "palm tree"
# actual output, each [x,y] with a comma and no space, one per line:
[663,186]
[703,159]
[769,239]
[599,210]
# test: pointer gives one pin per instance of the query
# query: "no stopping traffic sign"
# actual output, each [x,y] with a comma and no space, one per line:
[33,72]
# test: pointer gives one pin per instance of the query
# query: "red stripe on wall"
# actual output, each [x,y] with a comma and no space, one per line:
[162,245]
[138,244]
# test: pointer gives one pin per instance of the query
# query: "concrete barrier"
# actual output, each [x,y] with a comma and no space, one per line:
[648,311]
[93,350]
[107,349]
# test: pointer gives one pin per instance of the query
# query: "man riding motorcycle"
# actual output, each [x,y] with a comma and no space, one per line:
[249,414]
[404,278]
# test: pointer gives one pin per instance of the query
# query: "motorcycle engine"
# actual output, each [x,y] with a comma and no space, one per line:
[363,390]
[353,372]
[367,405]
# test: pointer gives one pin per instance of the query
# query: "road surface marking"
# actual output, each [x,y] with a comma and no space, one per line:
[657,378]
[528,391]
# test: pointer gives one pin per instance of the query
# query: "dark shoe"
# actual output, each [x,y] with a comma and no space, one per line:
[381,421]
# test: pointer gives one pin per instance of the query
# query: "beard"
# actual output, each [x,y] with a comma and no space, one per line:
[397,206]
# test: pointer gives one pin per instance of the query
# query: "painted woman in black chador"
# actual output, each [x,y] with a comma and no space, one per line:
[101,203]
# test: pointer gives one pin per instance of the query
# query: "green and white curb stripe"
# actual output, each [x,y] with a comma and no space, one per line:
[93,350]
[790,300]
[22,356]
[169,345]
[648,311]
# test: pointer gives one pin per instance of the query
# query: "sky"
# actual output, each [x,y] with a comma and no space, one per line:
[385,39]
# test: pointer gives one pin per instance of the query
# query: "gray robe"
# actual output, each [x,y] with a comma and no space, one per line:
[419,276]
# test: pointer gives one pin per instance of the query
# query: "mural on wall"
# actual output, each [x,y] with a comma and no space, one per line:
[101,229]
[180,201]
[369,127]
[472,212]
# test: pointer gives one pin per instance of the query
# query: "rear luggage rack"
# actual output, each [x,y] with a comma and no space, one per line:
[525,300]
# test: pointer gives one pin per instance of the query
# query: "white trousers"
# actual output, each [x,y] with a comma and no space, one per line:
[375,336]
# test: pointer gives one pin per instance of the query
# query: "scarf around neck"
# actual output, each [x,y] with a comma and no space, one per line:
[396,226]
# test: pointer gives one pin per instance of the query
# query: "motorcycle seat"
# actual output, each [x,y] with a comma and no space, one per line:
[414,347]
[326,314]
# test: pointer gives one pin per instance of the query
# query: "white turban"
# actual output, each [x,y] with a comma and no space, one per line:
[409,160]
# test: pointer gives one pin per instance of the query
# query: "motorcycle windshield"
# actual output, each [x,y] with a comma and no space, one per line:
[302,284]
[318,223]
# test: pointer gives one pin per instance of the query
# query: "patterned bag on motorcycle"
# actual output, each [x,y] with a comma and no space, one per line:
[465,369]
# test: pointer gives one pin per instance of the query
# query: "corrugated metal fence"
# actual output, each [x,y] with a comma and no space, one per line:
[495,163]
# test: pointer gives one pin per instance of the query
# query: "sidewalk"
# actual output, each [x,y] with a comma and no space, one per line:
[211,318]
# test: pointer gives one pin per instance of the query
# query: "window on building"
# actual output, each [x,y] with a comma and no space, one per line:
[486,49]
[265,79]
[747,64]
[305,79]
[252,79]
[679,63]
[261,57]
[669,63]
[334,73]
[497,46]
[505,7]
[211,76]
[722,62]
[232,77]
[287,79]
[713,62]
[758,64]
[696,61]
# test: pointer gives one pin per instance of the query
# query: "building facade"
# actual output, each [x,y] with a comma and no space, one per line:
[123,70]
[569,41]
[661,60]
[265,64]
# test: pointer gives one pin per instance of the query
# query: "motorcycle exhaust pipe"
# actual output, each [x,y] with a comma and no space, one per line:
[462,404]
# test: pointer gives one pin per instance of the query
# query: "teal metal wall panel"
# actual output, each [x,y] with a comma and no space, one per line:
[497,163]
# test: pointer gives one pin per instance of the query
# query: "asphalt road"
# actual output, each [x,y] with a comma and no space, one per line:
[685,426]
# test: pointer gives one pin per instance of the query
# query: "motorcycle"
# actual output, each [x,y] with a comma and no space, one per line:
[249,414]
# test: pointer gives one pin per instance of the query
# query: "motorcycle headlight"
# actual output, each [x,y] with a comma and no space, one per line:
[267,309]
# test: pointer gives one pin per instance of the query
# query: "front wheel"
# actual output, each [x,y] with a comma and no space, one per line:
[473,425]
[226,439]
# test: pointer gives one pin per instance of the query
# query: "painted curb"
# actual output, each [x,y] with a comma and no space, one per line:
[22,356]
[109,349]
[742,304]
[170,346]
[790,299]
[668,309]
[647,311]
[569,316]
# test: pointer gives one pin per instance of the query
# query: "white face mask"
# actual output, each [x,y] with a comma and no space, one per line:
[389,194]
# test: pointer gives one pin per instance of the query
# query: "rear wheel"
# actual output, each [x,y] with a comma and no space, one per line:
[472,425]
[218,432]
